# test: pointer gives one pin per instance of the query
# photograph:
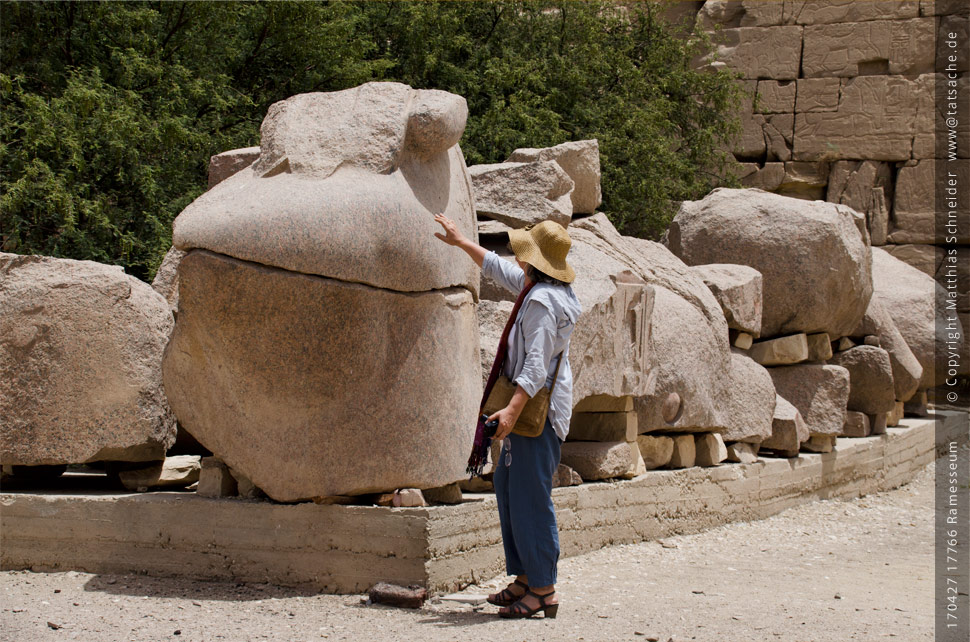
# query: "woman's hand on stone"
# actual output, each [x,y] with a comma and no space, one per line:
[507,417]
[452,235]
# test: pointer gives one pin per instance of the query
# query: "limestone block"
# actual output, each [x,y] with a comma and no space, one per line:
[752,142]
[737,289]
[684,452]
[267,366]
[178,472]
[739,13]
[914,218]
[344,187]
[742,453]
[819,392]
[819,444]
[224,165]
[906,368]
[875,119]
[817,94]
[760,52]
[782,238]
[779,130]
[447,494]
[709,449]
[819,347]
[856,425]
[768,178]
[781,351]
[603,460]
[930,128]
[566,476]
[925,258]
[603,426]
[581,161]
[80,352]
[215,480]
[845,343]
[748,404]
[895,415]
[743,341]
[809,12]
[656,450]
[402,498]
[788,428]
[844,49]
[604,403]
[916,304]
[878,423]
[521,194]
[776,97]
[805,180]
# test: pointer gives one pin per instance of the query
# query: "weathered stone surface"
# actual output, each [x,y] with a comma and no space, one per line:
[603,426]
[819,392]
[224,165]
[872,47]
[782,238]
[872,340]
[743,341]
[684,452]
[760,52]
[925,258]
[178,471]
[856,425]
[344,187]
[914,216]
[246,489]
[867,187]
[819,347]
[520,194]
[805,180]
[604,403]
[603,460]
[781,351]
[166,280]
[581,161]
[817,94]
[819,444]
[566,476]
[809,12]
[411,597]
[845,343]
[930,125]
[776,97]
[906,368]
[656,450]
[738,289]
[917,306]
[447,494]
[748,403]
[80,352]
[788,428]
[895,415]
[917,405]
[709,449]
[215,480]
[267,366]
[739,13]
[875,119]
[492,317]
[742,453]
[941,7]
[878,423]
[870,379]
[768,178]
[779,130]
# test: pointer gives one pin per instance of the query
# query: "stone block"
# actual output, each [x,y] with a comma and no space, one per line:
[896,47]
[246,488]
[819,444]
[781,351]
[845,343]
[742,452]
[776,97]
[769,177]
[521,194]
[739,13]
[761,52]
[866,187]
[856,425]
[603,426]
[810,12]
[871,340]
[819,392]
[215,480]
[917,406]
[173,472]
[447,494]
[930,127]
[906,368]
[895,415]
[566,476]
[581,162]
[737,289]
[878,423]
[779,130]
[748,403]
[605,403]
[684,452]
[818,94]
[656,450]
[925,258]
[709,449]
[402,498]
[743,341]
[819,346]
[805,180]
[914,217]
[224,165]
[788,429]
[603,460]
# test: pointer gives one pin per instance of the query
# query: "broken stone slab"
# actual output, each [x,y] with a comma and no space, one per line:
[856,425]
[215,479]
[684,452]
[80,353]
[738,289]
[906,368]
[819,346]
[603,460]
[868,188]
[819,444]
[447,494]
[771,233]
[709,449]
[521,194]
[878,423]
[788,428]
[603,426]
[748,403]
[224,165]
[656,450]
[581,161]
[896,47]
[819,392]
[566,476]
[781,350]
[402,498]
[870,378]
[173,472]
[411,597]
[776,97]
[605,403]
[894,416]
[742,452]
[284,338]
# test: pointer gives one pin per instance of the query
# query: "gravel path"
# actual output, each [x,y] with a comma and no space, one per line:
[825,571]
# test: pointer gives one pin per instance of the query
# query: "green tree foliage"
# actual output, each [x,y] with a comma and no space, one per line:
[111,110]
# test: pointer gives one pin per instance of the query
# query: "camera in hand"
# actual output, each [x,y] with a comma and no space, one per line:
[490,426]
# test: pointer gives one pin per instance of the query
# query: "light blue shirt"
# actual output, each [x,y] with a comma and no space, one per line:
[540,333]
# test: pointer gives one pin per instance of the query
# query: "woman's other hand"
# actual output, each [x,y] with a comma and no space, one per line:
[452,235]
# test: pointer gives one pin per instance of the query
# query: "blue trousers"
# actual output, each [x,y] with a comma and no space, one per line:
[525,510]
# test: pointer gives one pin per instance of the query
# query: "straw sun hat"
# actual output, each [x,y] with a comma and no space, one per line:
[544,247]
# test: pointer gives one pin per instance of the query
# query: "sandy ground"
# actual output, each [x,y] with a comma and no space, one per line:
[827,571]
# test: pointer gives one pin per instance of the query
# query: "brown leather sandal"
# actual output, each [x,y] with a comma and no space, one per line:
[506,597]
[520,610]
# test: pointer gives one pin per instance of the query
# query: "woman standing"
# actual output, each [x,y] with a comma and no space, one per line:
[538,355]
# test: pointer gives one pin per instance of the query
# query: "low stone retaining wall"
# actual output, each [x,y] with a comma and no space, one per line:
[346,549]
